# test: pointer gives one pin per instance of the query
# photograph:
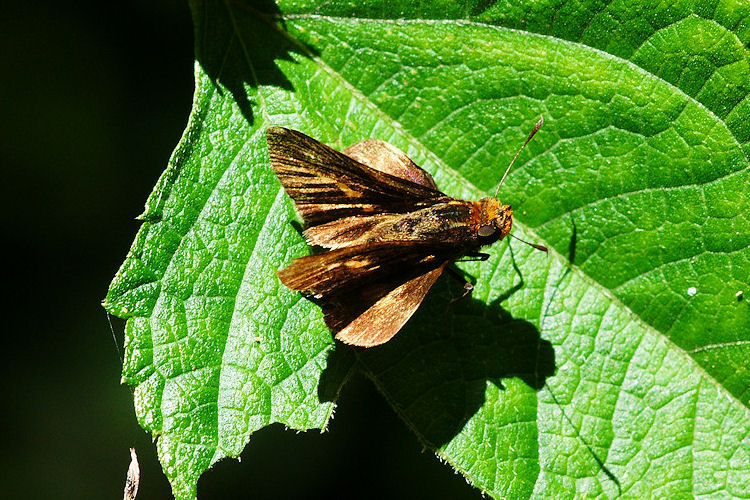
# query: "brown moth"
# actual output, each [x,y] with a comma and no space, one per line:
[388,231]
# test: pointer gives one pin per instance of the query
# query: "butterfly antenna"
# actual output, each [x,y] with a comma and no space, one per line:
[538,247]
[531,135]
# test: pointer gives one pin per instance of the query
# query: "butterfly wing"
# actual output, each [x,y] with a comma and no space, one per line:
[352,267]
[388,158]
[369,291]
[381,320]
[328,185]
[443,221]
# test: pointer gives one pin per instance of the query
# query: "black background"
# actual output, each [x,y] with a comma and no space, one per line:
[93,99]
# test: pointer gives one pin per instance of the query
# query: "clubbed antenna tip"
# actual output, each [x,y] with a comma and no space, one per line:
[531,136]
[538,247]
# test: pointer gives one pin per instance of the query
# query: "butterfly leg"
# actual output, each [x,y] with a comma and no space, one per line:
[505,295]
[476,256]
[468,288]
[461,278]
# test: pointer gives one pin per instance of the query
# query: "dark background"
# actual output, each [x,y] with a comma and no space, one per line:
[93,98]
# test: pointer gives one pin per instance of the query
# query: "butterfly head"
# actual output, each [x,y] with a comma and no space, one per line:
[494,220]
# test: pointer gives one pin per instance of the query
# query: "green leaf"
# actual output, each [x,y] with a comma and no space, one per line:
[615,366]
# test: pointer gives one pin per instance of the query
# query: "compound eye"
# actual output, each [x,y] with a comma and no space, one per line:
[486,230]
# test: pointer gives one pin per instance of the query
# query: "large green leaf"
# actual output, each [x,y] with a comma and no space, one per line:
[617,365]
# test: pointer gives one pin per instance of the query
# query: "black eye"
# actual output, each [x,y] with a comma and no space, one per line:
[486,230]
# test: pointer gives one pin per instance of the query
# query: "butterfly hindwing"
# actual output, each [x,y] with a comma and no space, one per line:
[377,322]
[388,158]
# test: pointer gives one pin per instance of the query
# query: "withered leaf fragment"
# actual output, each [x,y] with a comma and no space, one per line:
[387,230]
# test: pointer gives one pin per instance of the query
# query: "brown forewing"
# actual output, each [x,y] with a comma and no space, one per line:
[354,230]
[328,185]
[358,267]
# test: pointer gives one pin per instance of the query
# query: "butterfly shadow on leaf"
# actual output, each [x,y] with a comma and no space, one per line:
[435,376]
[239,43]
